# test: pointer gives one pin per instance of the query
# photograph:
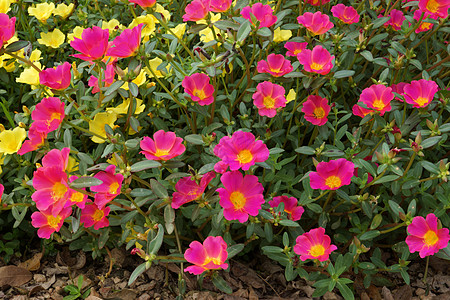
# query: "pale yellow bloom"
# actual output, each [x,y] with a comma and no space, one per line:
[98,125]
[30,76]
[42,11]
[2,159]
[122,109]
[139,80]
[72,165]
[165,13]
[63,10]
[291,96]
[281,35]
[11,140]
[206,35]
[154,64]
[5,6]
[148,20]
[52,39]
[112,25]
[179,30]
[76,33]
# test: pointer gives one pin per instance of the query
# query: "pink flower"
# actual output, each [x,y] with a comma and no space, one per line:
[51,189]
[49,223]
[276,65]
[241,150]
[56,158]
[7,28]
[420,92]
[290,206]
[2,189]
[110,188]
[316,23]
[426,236]
[263,13]
[361,111]
[189,190]
[198,87]
[346,14]
[35,140]
[396,19]
[317,2]
[377,97]
[165,146]
[108,79]
[438,8]
[316,110]
[295,48]
[398,88]
[424,26]
[93,44]
[92,215]
[332,175]
[143,3]
[48,114]
[56,78]
[314,244]
[220,5]
[317,61]
[220,167]
[127,43]
[76,198]
[268,97]
[241,196]
[209,256]
[196,10]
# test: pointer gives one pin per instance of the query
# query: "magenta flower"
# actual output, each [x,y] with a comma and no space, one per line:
[51,189]
[361,111]
[420,92]
[220,5]
[268,97]
[398,88]
[346,14]
[108,79]
[7,28]
[426,236]
[93,44]
[241,196]
[196,10]
[110,188]
[316,23]
[144,3]
[317,2]
[290,206]
[35,140]
[377,97]
[127,43]
[241,150]
[316,110]
[76,198]
[438,8]
[396,19]
[209,256]
[92,215]
[295,48]
[314,244]
[2,189]
[263,13]
[56,158]
[163,146]
[56,78]
[317,61]
[189,190]
[332,175]
[198,87]
[276,65]
[49,223]
[48,114]
[424,26]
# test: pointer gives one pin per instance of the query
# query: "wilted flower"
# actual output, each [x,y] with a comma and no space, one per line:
[268,97]
[56,78]
[317,61]
[290,206]
[163,146]
[198,87]
[316,23]
[377,97]
[314,244]
[188,190]
[49,223]
[332,175]
[93,44]
[346,14]
[263,13]
[316,110]
[295,48]
[420,92]
[276,65]
[209,256]
[92,215]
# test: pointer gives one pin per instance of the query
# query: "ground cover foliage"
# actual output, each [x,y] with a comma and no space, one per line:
[313,133]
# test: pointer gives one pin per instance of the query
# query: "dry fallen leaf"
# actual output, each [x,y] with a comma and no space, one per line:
[32,264]
[14,276]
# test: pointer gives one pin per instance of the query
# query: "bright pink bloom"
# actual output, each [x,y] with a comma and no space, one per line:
[127,43]
[317,2]
[196,10]
[56,78]
[110,188]
[35,140]
[189,190]
[263,13]
[426,236]
[108,79]
[49,223]
[51,188]
[268,97]
[220,167]
[92,215]
[295,48]
[361,111]
[396,19]
[290,206]
[198,87]
[241,150]
[332,175]
[76,198]
[398,88]
[241,196]
[346,14]
[2,189]
[316,110]
[377,97]
[220,5]
[209,256]
[316,23]
[438,8]
[317,61]
[48,114]
[163,146]
[93,44]
[424,26]
[276,65]
[143,3]
[420,92]
[7,28]
[314,244]
[56,158]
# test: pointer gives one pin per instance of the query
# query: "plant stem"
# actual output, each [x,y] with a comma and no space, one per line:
[26,61]
[393,228]
[424,280]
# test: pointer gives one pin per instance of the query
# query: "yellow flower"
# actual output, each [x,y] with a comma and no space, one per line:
[291,96]
[179,30]
[76,33]
[52,39]
[72,165]
[42,11]
[63,10]
[154,64]
[29,76]
[148,20]
[4,6]
[281,35]
[112,25]
[206,35]
[165,13]
[123,108]
[98,125]
[139,80]
[11,140]
[2,159]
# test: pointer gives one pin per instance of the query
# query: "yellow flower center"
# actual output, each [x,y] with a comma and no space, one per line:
[426,25]
[54,116]
[214,260]
[319,113]
[59,190]
[317,250]
[333,182]
[245,156]
[421,101]
[77,197]
[199,93]
[113,188]
[98,215]
[53,221]
[161,152]
[269,102]
[238,200]
[316,67]
[432,6]
[378,104]
[430,238]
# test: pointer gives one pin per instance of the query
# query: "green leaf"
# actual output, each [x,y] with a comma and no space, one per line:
[369,235]
[158,189]
[86,181]
[169,218]
[305,150]
[289,223]
[429,142]
[234,250]
[396,208]
[134,90]
[16,46]
[138,271]
[144,165]
[264,32]
[156,243]
[114,87]
[221,284]
[344,73]
[346,292]
[376,221]
[244,31]
[367,55]
[289,272]
[195,139]
[272,249]
[387,178]
[380,22]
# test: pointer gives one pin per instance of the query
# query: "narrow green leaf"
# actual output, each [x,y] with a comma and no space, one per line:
[144,165]
[83,182]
